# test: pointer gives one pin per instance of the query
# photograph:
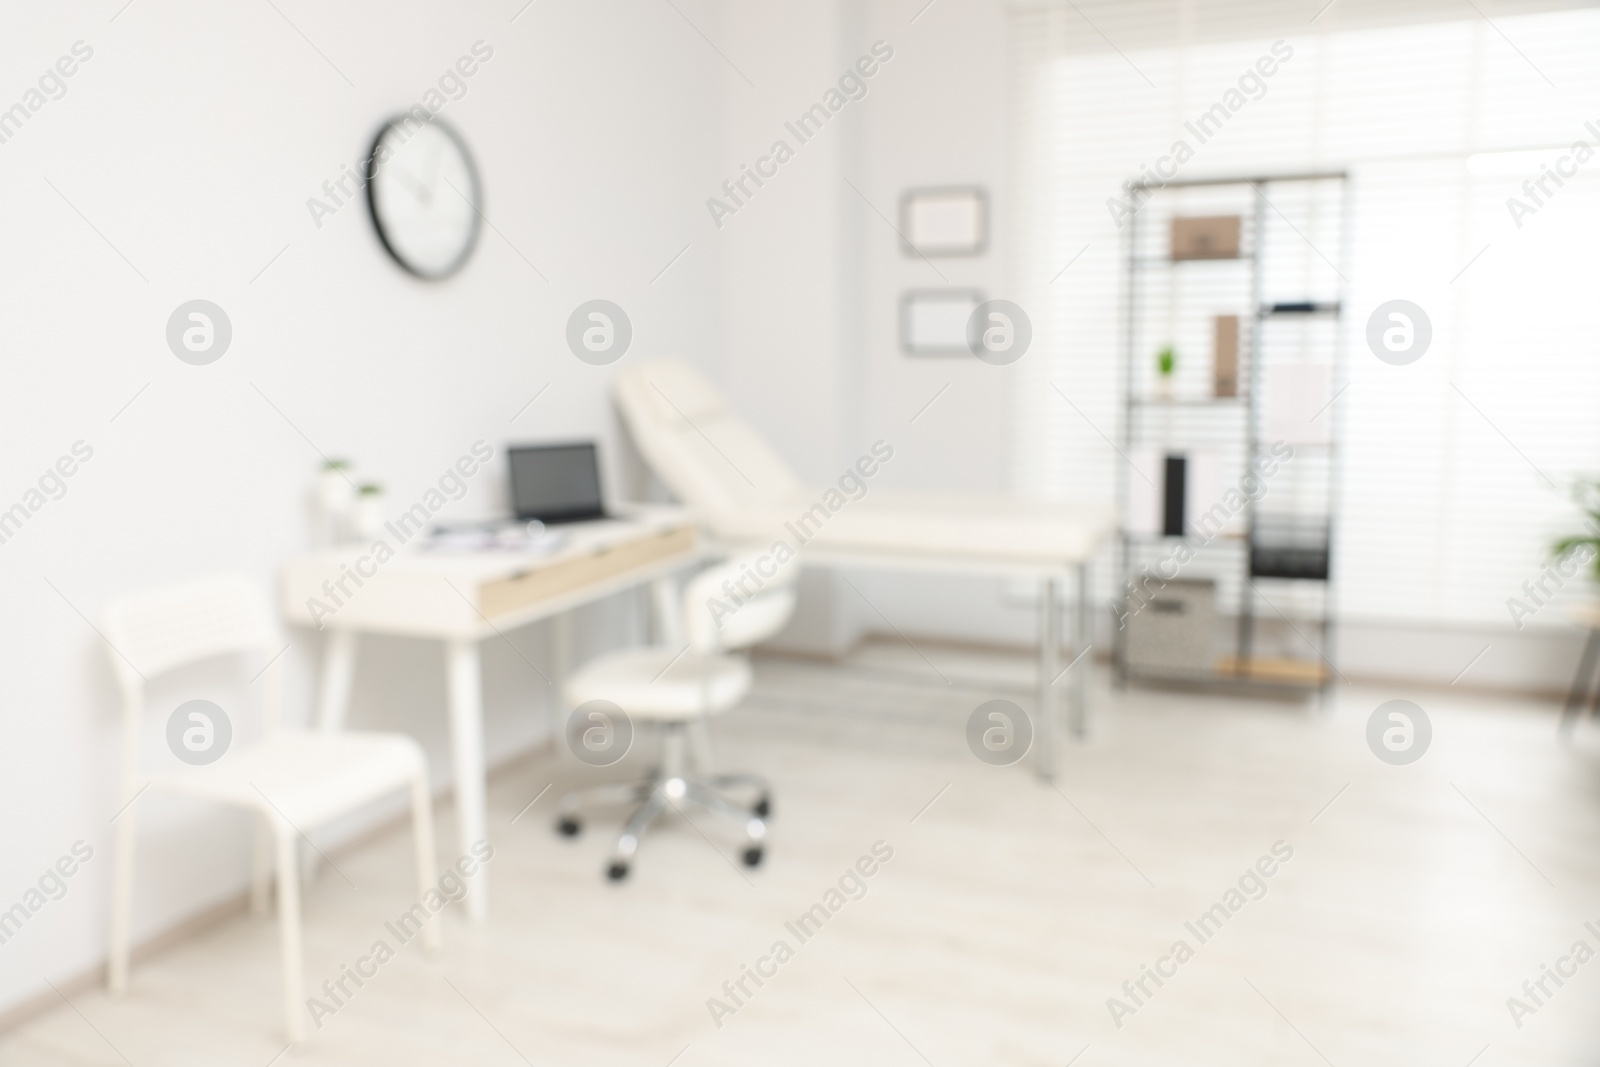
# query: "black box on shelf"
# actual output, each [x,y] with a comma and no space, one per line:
[1174,495]
[1288,546]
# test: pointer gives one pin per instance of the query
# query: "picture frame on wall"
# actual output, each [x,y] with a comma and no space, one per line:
[947,220]
[933,322]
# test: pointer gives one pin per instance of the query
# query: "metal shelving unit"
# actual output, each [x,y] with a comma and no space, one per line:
[1273,559]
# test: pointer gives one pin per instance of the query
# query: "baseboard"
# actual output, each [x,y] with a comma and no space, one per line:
[1538,665]
[148,949]
[1487,657]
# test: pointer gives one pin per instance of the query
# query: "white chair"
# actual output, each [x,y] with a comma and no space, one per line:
[292,780]
[727,607]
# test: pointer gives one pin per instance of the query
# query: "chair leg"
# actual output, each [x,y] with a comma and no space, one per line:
[422,837]
[755,827]
[1594,704]
[673,750]
[737,781]
[638,822]
[1573,708]
[289,933]
[700,747]
[122,901]
[761,804]
[260,867]
[575,800]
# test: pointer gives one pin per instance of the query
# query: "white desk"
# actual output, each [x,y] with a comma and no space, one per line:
[462,598]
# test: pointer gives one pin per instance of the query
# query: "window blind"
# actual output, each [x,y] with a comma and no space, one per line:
[1456,468]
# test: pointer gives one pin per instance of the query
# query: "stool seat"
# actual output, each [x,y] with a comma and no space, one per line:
[662,683]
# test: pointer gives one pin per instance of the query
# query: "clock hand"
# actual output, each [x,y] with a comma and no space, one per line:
[412,186]
[433,176]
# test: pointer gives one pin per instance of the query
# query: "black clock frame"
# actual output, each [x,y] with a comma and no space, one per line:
[369,171]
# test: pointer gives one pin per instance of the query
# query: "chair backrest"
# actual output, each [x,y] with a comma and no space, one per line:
[153,632]
[740,602]
[157,631]
[708,456]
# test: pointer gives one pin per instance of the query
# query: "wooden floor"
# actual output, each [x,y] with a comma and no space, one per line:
[1416,901]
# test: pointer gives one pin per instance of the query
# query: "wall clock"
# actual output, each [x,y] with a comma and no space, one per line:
[424,196]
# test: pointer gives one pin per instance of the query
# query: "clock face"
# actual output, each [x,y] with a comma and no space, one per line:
[423,192]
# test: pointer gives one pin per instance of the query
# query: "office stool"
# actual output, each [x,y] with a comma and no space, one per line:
[727,607]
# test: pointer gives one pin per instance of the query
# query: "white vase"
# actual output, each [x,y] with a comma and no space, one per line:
[369,513]
[335,495]
[334,490]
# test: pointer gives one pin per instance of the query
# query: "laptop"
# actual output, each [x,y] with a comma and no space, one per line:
[556,483]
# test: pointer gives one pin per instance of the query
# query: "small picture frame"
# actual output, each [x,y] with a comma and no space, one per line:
[933,322]
[949,220]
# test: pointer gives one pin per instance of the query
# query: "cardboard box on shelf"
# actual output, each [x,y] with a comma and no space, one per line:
[1205,237]
[1225,356]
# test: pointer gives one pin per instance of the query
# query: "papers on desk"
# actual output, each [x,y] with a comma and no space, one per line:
[533,537]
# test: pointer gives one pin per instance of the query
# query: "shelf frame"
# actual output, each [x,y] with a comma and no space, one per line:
[1241,670]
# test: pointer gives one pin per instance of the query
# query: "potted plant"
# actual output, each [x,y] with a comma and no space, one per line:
[369,511]
[334,489]
[1587,495]
[334,495]
[1166,363]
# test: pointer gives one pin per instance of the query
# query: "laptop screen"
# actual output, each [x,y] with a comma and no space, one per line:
[555,483]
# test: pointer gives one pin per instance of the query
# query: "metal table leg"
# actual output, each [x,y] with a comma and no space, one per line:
[1049,664]
[1082,638]
[1580,685]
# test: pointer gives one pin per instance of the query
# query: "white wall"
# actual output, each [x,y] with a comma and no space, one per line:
[191,141]
[940,120]
[790,329]
[813,274]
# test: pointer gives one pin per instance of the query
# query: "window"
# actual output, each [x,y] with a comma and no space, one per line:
[1457,467]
